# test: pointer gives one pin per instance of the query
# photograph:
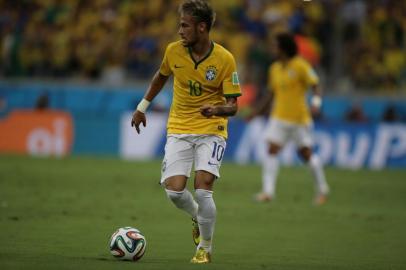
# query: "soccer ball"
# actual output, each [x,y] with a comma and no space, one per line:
[127,244]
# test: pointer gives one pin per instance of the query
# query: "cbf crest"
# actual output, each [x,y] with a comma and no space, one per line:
[211,73]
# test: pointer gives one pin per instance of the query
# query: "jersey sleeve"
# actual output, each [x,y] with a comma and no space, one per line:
[231,83]
[165,68]
[309,74]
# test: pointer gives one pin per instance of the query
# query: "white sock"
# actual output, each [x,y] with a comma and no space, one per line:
[270,168]
[183,200]
[205,244]
[318,174]
[206,217]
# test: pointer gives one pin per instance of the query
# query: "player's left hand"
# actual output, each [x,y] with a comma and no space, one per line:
[208,110]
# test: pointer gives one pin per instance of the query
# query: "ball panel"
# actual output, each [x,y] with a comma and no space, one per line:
[138,255]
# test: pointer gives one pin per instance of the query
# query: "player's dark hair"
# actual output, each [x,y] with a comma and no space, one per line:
[200,10]
[286,43]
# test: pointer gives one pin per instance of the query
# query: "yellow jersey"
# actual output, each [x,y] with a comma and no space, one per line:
[196,83]
[289,84]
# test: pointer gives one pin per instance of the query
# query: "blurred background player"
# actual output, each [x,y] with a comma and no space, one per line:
[205,88]
[289,78]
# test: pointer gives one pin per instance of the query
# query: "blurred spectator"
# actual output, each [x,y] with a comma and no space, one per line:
[356,114]
[113,40]
[390,114]
[374,43]
[42,102]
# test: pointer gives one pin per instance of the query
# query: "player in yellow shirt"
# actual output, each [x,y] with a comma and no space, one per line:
[205,91]
[290,77]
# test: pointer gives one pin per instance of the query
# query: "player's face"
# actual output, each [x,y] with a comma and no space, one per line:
[188,30]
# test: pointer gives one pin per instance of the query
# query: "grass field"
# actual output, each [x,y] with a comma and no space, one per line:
[60,213]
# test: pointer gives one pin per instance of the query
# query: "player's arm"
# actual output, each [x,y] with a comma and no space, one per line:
[157,83]
[312,81]
[228,109]
[230,90]
[316,99]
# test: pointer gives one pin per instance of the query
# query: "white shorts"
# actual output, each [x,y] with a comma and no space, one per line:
[182,150]
[280,132]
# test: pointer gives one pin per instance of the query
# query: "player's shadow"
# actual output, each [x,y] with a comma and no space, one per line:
[141,261]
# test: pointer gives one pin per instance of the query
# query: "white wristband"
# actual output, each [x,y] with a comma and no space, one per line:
[316,101]
[143,105]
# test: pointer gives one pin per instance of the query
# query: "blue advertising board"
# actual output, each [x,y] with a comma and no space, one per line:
[345,145]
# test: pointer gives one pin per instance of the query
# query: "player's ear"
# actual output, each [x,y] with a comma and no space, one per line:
[202,27]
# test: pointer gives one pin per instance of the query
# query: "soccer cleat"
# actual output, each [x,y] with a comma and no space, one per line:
[320,199]
[201,256]
[263,197]
[195,232]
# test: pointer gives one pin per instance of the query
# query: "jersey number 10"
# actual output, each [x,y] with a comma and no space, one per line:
[195,88]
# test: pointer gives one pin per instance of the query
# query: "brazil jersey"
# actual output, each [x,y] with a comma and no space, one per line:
[290,83]
[207,81]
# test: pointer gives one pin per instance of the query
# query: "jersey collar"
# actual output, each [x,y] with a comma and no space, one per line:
[204,58]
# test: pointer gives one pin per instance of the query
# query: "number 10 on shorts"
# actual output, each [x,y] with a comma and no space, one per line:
[218,151]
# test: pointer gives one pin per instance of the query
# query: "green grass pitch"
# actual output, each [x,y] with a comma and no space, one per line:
[60,213]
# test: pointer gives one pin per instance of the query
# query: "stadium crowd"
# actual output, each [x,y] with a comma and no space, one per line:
[355,41]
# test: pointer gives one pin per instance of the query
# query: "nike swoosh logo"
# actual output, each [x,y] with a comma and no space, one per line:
[178,66]
[215,164]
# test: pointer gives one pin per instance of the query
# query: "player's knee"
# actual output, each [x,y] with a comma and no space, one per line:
[204,180]
[305,153]
[175,183]
[174,196]
[274,149]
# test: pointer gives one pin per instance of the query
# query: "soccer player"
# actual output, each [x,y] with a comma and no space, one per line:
[289,78]
[205,91]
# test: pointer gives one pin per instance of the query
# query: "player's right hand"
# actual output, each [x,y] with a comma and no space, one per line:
[138,118]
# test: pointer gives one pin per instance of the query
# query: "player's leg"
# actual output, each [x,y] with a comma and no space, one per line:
[304,140]
[206,214]
[208,157]
[270,168]
[175,188]
[176,170]
[277,134]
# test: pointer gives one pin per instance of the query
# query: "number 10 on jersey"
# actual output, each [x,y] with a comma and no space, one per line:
[195,88]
